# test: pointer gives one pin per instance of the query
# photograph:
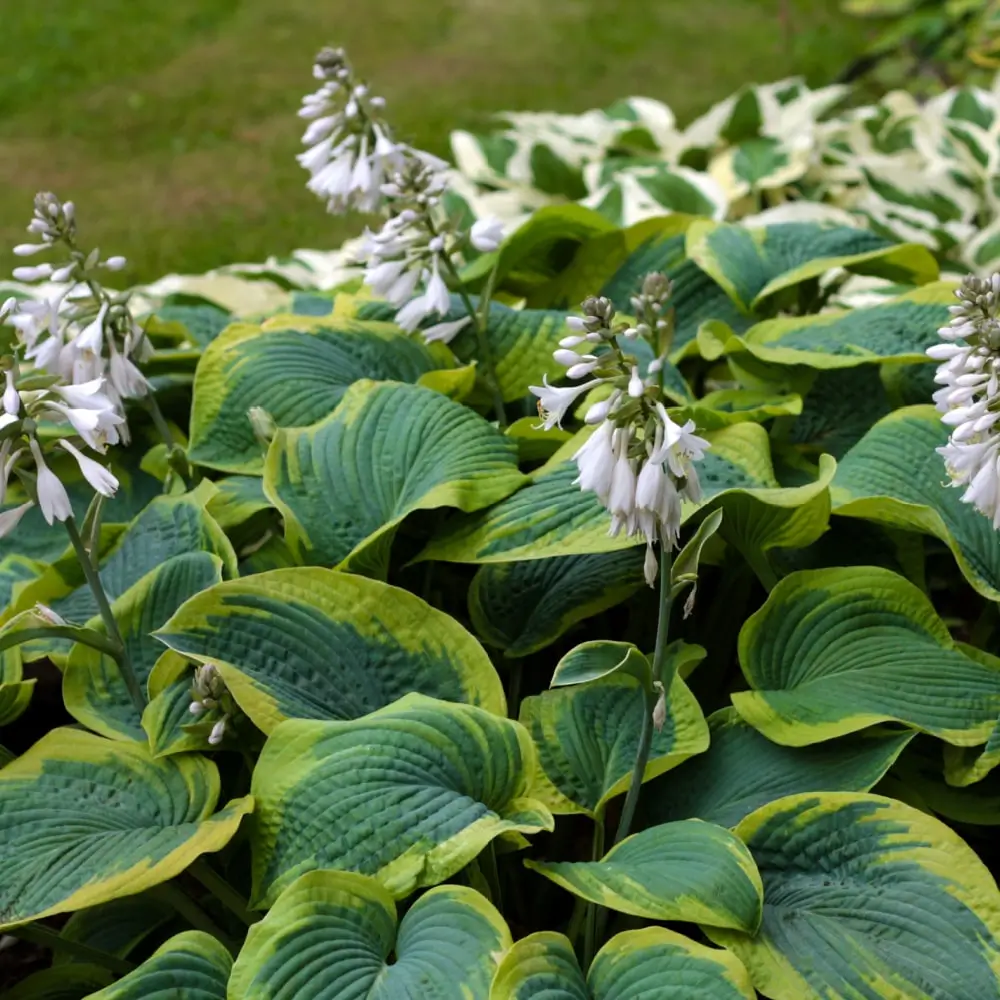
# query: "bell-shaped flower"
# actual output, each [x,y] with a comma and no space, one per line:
[52,496]
[96,474]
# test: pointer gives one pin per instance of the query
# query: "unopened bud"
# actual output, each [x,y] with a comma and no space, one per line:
[660,708]
[48,616]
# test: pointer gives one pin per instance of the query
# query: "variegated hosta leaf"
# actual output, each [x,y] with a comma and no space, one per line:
[900,329]
[864,896]
[192,966]
[752,263]
[84,820]
[615,264]
[297,369]
[653,962]
[15,691]
[332,935]
[197,323]
[521,340]
[167,720]
[835,650]
[521,607]
[742,770]
[117,926]
[237,500]
[894,476]
[93,689]
[388,449]
[554,517]
[409,794]
[733,406]
[588,735]
[688,870]
[167,527]
[317,644]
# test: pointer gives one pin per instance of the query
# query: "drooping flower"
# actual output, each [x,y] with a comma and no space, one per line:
[969,397]
[486,234]
[10,519]
[96,474]
[52,496]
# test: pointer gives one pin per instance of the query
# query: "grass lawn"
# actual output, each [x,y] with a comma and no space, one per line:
[172,124]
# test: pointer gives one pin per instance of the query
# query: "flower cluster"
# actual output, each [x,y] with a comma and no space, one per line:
[351,149]
[82,332]
[417,243]
[639,462]
[210,694]
[969,399]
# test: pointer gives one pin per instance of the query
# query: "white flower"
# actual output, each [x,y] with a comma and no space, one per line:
[600,410]
[218,732]
[486,234]
[8,459]
[52,496]
[91,338]
[6,419]
[595,461]
[11,398]
[85,395]
[446,332]
[435,300]
[125,378]
[554,401]
[32,273]
[95,473]
[27,249]
[115,263]
[621,501]
[9,519]
[98,428]
[636,386]
[649,565]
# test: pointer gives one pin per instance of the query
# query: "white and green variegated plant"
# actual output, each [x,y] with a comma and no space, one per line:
[370,682]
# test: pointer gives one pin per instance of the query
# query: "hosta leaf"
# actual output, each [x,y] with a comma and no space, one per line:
[688,870]
[237,500]
[169,526]
[202,322]
[167,718]
[742,770]
[297,369]
[409,794]
[753,263]
[84,820]
[93,689]
[733,406]
[192,966]
[588,735]
[553,517]
[63,982]
[900,329]
[894,476]
[648,964]
[598,658]
[333,936]
[388,449]
[521,607]
[317,644]
[835,650]
[521,340]
[866,897]
[117,926]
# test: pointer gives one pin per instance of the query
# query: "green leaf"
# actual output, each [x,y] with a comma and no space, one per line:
[835,650]
[237,500]
[652,962]
[866,897]
[522,607]
[521,340]
[409,794]
[93,689]
[192,966]
[733,406]
[894,476]
[684,569]
[688,870]
[84,820]
[202,322]
[116,927]
[742,770]
[752,264]
[167,720]
[389,449]
[587,737]
[900,329]
[333,935]
[169,526]
[62,982]
[553,517]
[598,658]
[297,369]
[317,644]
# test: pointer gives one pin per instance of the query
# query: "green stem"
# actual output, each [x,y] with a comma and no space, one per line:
[649,699]
[51,941]
[492,874]
[223,891]
[194,914]
[84,636]
[162,427]
[594,912]
[97,588]
[479,322]
[760,564]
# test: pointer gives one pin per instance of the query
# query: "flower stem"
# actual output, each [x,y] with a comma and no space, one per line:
[480,322]
[47,938]
[223,891]
[194,914]
[104,607]
[649,700]
[594,912]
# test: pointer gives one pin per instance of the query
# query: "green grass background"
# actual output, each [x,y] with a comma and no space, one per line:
[171,123]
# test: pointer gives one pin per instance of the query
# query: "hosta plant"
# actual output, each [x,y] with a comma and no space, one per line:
[581,614]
